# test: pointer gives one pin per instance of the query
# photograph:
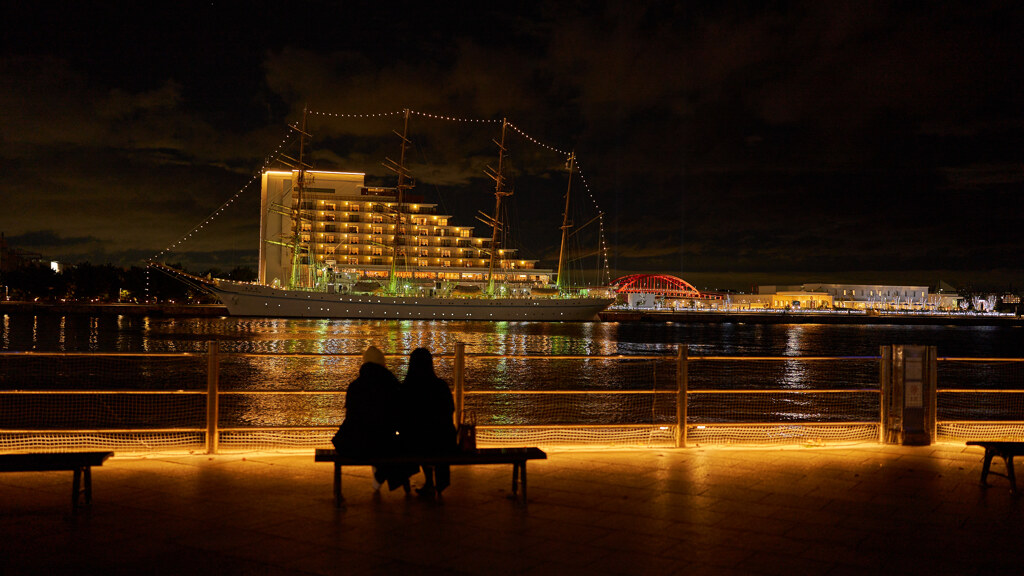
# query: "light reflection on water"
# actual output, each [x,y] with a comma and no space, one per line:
[156,334]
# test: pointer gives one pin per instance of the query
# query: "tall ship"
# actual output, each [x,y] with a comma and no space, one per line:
[333,247]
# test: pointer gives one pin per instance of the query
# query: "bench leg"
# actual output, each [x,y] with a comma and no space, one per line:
[519,480]
[338,498]
[522,478]
[986,464]
[76,486]
[88,484]
[515,480]
[1008,459]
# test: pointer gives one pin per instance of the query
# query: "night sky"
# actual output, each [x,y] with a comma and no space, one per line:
[728,143]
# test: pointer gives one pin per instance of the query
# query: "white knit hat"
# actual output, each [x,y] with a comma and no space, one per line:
[373,354]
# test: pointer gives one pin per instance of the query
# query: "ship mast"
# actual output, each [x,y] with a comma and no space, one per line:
[398,252]
[499,192]
[566,225]
[299,165]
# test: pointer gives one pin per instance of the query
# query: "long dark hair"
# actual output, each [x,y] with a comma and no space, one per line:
[421,366]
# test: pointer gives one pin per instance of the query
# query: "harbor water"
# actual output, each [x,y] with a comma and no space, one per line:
[132,334]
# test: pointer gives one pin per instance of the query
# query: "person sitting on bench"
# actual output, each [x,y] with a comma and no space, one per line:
[370,428]
[428,424]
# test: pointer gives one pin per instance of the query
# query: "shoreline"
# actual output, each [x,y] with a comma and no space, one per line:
[626,316]
[806,318]
[107,309]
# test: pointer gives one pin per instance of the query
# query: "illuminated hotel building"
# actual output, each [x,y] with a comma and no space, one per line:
[349,228]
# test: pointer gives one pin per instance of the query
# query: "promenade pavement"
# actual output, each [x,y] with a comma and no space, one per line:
[859,509]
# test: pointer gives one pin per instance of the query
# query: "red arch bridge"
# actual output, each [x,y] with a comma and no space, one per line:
[660,285]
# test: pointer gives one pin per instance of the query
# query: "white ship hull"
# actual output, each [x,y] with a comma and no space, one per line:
[243,299]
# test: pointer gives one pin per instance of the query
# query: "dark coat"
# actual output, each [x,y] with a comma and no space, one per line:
[372,411]
[428,425]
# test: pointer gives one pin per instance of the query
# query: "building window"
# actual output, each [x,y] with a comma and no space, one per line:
[377,251]
[353,250]
[446,253]
[307,226]
[424,241]
[378,229]
[354,207]
[329,250]
[330,239]
[305,237]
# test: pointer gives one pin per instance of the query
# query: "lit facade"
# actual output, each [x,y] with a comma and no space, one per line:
[867,296]
[351,230]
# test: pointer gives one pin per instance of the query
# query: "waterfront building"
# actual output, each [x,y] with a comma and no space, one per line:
[352,230]
[867,296]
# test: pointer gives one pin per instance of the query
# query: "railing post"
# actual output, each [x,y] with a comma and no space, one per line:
[212,397]
[682,383]
[460,381]
[884,390]
[931,386]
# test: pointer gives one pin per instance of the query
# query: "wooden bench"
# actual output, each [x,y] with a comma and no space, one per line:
[1006,450]
[80,463]
[517,457]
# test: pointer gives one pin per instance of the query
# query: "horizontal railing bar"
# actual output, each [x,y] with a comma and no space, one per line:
[809,423]
[97,430]
[27,353]
[273,428]
[781,358]
[448,355]
[665,426]
[108,392]
[789,391]
[979,422]
[956,359]
[468,392]
[288,392]
[106,354]
[979,391]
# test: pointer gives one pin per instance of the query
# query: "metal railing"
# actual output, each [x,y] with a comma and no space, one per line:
[652,400]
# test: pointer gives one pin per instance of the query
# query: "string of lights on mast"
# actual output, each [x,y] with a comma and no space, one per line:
[570,156]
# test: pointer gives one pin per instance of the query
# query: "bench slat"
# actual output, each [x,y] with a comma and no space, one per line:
[480,456]
[42,462]
[517,457]
[80,463]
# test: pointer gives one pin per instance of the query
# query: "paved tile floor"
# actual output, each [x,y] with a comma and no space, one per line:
[864,509]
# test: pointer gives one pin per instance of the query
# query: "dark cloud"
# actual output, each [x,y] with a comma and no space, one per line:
[723,141]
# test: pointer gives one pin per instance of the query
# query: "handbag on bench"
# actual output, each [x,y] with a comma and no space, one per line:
[467,434]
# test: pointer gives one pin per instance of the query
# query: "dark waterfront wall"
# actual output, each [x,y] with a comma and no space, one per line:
[85,308]
[908,319]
